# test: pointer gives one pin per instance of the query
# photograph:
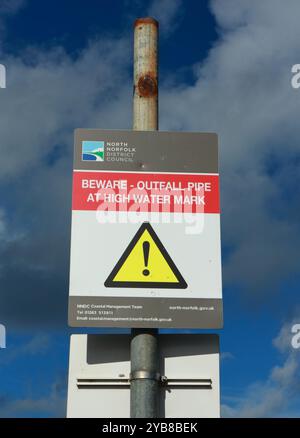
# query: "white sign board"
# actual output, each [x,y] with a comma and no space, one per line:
[99,369]
[145,245]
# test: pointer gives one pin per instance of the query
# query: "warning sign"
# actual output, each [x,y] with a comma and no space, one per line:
[146,263]
[145,244]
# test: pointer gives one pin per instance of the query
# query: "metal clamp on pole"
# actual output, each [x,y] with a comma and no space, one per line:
[140,375]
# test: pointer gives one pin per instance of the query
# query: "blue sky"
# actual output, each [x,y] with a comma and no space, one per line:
[224,67]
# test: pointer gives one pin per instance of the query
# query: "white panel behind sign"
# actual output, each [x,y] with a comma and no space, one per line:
[100,364]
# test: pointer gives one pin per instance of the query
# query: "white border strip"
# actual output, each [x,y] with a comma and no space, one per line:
[144,172]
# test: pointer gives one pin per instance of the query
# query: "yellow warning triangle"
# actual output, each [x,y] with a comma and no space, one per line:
[146,263]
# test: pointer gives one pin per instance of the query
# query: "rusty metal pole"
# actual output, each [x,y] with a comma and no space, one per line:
[145,99]
[145,377]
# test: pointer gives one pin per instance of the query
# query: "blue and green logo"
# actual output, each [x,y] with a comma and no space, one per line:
[92,151]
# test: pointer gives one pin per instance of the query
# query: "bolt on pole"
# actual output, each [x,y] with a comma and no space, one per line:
[145,377]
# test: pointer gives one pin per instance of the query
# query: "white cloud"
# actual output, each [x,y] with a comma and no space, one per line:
[276,396]
[8,7]
[48,400]
[226,355]
[167,13]
[49,95]
[38,344]
[53,404]
[11,6]
[242,91]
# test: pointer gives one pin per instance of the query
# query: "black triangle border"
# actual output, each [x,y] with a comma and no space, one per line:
[140,284]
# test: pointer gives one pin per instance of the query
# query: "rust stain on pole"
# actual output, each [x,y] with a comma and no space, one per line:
[147,85]
[145,100]
[145,20]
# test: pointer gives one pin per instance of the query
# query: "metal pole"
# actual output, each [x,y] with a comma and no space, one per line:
[144,388]
[145,99]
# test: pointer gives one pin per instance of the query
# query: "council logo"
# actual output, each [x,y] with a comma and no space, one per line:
[92,151]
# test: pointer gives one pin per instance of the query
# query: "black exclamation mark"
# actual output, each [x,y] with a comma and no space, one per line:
[146,250]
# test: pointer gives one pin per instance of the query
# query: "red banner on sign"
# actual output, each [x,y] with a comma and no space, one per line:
[116,191]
